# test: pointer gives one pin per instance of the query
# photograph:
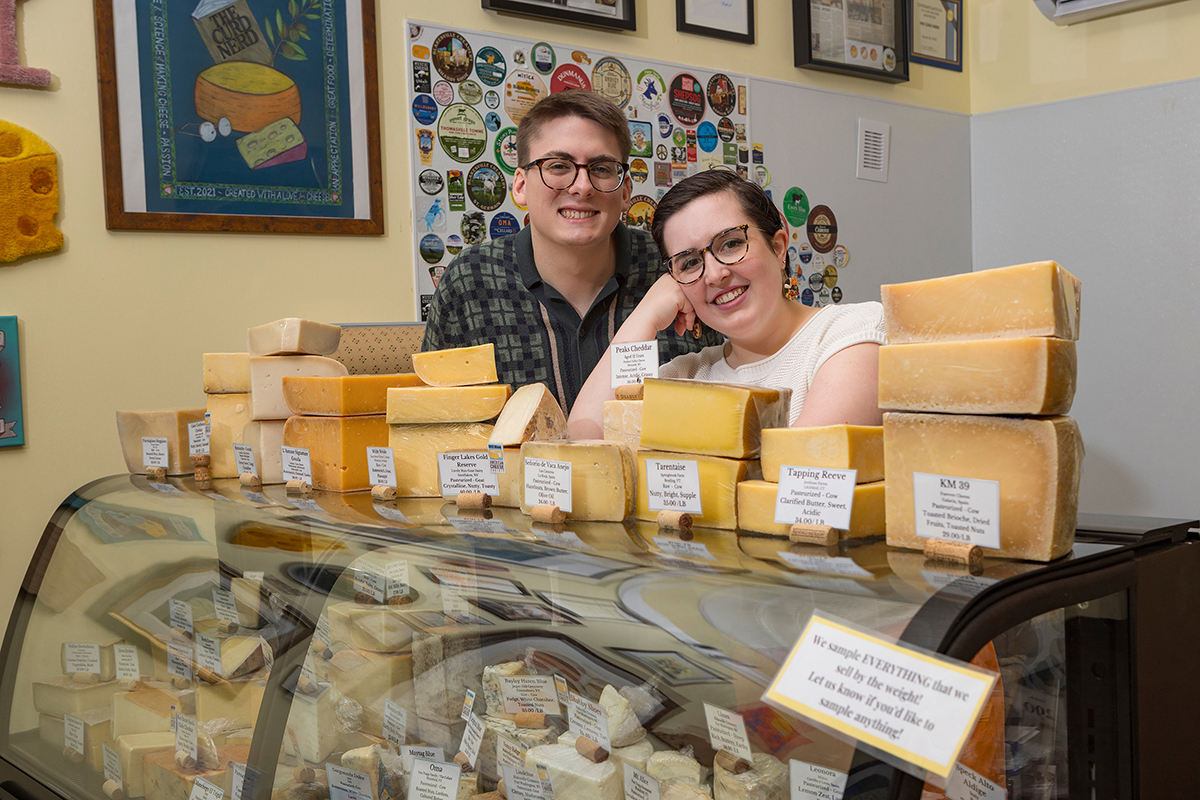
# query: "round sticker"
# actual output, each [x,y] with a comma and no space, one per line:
[611,79]
[761,176]
[569,76]
[722,94]
[795,206]
[432,248]
[816,281]
[680,137]
[640,212]
[660,152]
[830,276]
[486,186]
[638,170]
[806,297]
[424,109]
[452,56]
[430,181]
[462,133]
[470,92]
[421,52]
[491,121]
[435,275]
[543,58]
[725,129]
[503,224]
[822,229]
[889,63]
[580,57]
[491,99]
[506,150]
[836,294]
[650,88]
[706,136]
[472,227]
[664,126]
[519,57]
[443,93]
[522,90]
[454,244]
[806,254]
[841,256]
[490,66]
[686,99]
[818,263]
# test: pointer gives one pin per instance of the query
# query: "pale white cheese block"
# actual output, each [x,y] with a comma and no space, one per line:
[574,776]
[62,695]
[383,767]
[681,790]
[381,629]
[132,748]
[266,381]
[496,729]
[364,676]
[623,726]
[766,780]
[491,686]
[667,765]
[636,754]
[293,335]
[144,711]
[313,729]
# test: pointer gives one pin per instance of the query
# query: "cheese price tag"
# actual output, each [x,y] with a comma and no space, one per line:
[815,496]
[911,704]
[531,693]
[256,497]
[204,790]
[397,579]
[255,576]
[381,464]
[394,514]
[496,457]
[311,506]
[468,704]
[639,785]
[409,754]
[727,731]
[560,538]
[839,565]
[82,657]
[208,653]
[154,451]
[164,488]
[370,584]
[633,362]
[811,782]
[239,780]
[126,656]
[562,690]
[585,718]
[967,784]
[509,751]
[957,509]
[548,483]
[432,780]
[112,765]
[673,485]
[521,783]
[186,735]
[243,454]
[466,472]
[179,661]
[197,438]
[686,549]
[348,784]
[181,615]
[73,733]
[225,605]
[395,723]
[480,525]
[472,737]
[297,466]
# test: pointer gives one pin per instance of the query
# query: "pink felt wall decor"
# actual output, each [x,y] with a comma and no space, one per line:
[11,71]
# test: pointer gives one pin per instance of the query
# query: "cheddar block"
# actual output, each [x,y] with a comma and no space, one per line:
[281,142]
[715,419]
[172,425]
[107,665]
[602,477]
[1035,299]
[856,447]
[767,779]
[337,448]
[266,380]
[343,395]
[416,449]
[1036,462]
[163,779]
[97,732]
[531,414]
[421,405]
[249,95]
[237,702]
[228,415]
[226,373]
[719,478]
[62,695]
[574,776]
[756,509]
[623,423]
[989,376]
[265,437]
[446,663]
[132,748]
[459,366]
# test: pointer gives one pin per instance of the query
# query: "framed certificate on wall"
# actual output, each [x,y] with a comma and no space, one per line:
[935,36]
[863,38]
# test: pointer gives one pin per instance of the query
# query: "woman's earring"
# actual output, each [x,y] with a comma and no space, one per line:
[791,289]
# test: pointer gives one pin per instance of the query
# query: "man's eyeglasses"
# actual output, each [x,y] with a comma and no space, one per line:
[559,173]
[728,247]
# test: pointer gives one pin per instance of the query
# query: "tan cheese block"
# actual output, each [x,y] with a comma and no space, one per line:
[265,437]
[602,477]
[97,732]
[337,448]
[989,376]
[62,695]
[756,509]
[342,395]
[715,419]
[531,414]
[266,380]
[133,425]
[226,373]
[857,447]
[1036,462]
[132,748]
[236,701]
[228,415]
[107,665]
[163,779]
[293,336]
[623,423]
[313,727]
[719,478]
[460,366]
[423,405]
[144,711]
[1036,299]
[416,449]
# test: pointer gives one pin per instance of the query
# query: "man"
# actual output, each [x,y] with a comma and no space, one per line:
[551,297]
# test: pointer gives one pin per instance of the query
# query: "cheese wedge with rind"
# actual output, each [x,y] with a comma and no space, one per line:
[337,448]
[416,449]
[132,426]
[132,748]
[459,366]
[719,478]
[1036,461]
[226,373]
[856,447]
[602,477]
[624,728]
[228,415]
[342,395]
[531,414]
[767,779]
[715,419]
[1036,299]
[574,776]
[424,405]
[636,754]
[293,336]
[756,509]
[266,381]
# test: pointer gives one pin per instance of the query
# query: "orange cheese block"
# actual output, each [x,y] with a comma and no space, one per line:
[251,96]
[714,419]
[342,395]
[756,509]
[28,194]
[337,448]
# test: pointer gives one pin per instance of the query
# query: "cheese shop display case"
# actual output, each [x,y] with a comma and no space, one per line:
[177,644]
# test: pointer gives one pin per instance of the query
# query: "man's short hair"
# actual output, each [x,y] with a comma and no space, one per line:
[573,103]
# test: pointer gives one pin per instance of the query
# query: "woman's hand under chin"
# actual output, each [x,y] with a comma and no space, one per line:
[664,306]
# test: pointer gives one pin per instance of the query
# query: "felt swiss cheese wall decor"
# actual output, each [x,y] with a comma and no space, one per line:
[28,194]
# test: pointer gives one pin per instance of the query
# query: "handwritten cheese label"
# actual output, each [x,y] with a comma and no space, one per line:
[197,438]
[813,782]
[397,579]
[395,723]
[73,733]
[239,780]
[208,653]
[205,790]
[181,615]
[521,783]
[727,731]
[186,735]
[179,661]
[348,784]
[409,754]
[472,738]
[112,765]
[815,496]
[154,451]
[673,485]
[957,509]
[297,465]
[533,693]
[633,362]
[225,606]
[509,751]
[588,719]
[466,472]
[82,657]
[394,514]
[243,455]
[381,464]
[370,583]
[548,483]
[685,549]
[967,784]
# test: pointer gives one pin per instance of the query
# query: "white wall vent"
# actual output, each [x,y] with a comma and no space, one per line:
[1067,12]
[873,140]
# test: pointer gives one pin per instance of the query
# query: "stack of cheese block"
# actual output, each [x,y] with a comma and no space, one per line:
[987,359]
[843,447]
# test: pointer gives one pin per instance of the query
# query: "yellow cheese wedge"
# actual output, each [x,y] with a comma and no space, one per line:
[1036,299]
[719,478]
[226,373]
[715,419]
[251,96]
[531,414]
[29,185]
[265,437]
[337,448]
[1036,462]
[460,366]
[266,380]
[342,395]
[991,376]
[293,336]
[756,509]
[228,415]
[602,477]
[421,405]
[623,423]
[857,447]
[416,449]
[133,425]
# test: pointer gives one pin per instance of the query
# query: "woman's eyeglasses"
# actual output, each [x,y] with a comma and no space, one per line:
[728,247]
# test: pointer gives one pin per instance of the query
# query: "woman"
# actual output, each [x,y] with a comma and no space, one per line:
[728,266]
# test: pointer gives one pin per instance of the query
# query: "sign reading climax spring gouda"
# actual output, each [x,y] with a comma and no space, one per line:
[918,707]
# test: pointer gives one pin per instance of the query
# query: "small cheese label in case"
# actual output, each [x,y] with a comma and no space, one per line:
[961,585]
[73,733]
[560,538]
[205,790]
[255,576]
[466,472]
[164,488]
[348,784]
[454,600]
[394,514]
[311,506]
[197,438]
[812,782]
[395,723]
[496,457]
[815,496]
[468,704]
[412,753]
[472,737]
[727,731]
[480,525]
[208,652]
[397,579]
[535,694]
[186,735]
[685,549]
[154,452]
[244,456]
[563,691]
[225,606]
[673,485]
[112,764]
[82,657]
[297,466]
[179,661]
[910,704]
[181,615]
[839,565]
[381,463]
[965,783]
[256,497]
[633,362]
[588,719]
[521,783]
[433,780]
[323,629]
[510,752]
[126,656]
[371,584]
[639,785]
[957,509]
[548,483]
[239,780]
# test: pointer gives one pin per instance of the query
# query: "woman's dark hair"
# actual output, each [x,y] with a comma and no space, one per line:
[753,200]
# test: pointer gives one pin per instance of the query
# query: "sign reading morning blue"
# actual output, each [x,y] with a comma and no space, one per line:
[815,496]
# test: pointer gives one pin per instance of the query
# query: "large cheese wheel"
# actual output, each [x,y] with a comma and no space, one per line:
[251,96]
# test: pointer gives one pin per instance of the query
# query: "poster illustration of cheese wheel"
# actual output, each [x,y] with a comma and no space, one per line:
[469,143]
